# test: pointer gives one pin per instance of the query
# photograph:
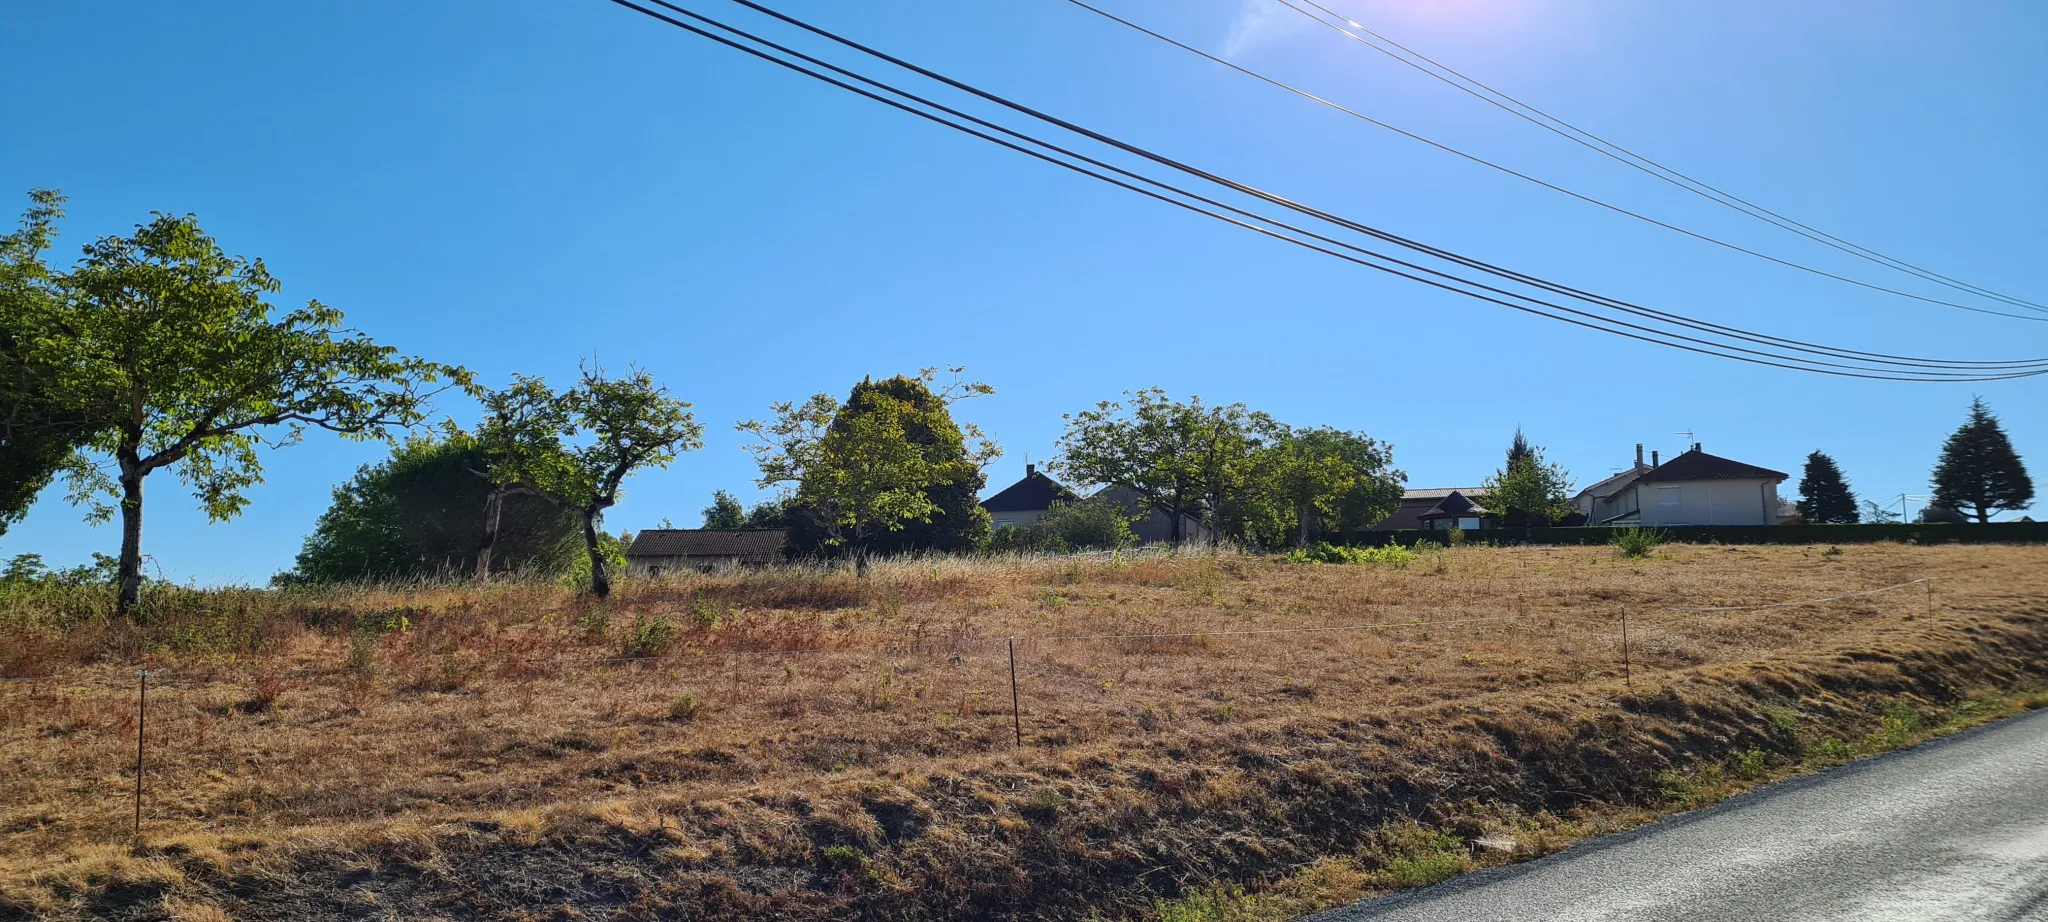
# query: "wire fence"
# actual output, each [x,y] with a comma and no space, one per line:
[955,647]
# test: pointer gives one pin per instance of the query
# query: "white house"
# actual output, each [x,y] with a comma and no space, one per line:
[1694,488]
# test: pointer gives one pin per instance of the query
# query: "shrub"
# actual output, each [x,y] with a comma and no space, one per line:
[651,637]
[1637,543]
[1392,555]
[685,707]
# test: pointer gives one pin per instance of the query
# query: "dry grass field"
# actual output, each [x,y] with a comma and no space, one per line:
[801,744]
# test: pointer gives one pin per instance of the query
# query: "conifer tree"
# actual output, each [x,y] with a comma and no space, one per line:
[1979,473]
[1824,497]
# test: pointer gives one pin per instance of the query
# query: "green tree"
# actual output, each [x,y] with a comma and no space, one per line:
[1322,478]
[422,512]
[170,329]
[522,429]
[619,425]
[41,424]
[725,511]
[890,459]
[1979,473]
[1528,490]
[1183,458]
[1519,450]
[1824,497]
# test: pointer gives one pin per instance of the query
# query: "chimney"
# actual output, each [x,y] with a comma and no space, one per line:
[1695,446]
[1030,469]
[1653,458]
[1639,454]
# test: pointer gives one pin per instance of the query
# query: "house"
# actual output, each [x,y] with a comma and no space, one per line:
[662,551]
[1694,488]
[1458,511]
[1025,503]
[1416,502]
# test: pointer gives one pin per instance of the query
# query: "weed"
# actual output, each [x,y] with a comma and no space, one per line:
[1638,543]
[1751,764]
[650,636]
[844,856]
[686,707]
[1781,717]
[1832,551]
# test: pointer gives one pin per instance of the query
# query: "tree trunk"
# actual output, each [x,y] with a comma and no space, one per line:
[1983,513]
[494,506]
[600,586]
[130,592]
[1301,537]
[860,561]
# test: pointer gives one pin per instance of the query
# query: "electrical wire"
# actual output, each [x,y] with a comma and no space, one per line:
[1623,155]
[1532,179]
[1793,363]
[1639,310]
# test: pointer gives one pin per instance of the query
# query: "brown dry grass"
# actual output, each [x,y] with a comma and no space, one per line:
[521,717]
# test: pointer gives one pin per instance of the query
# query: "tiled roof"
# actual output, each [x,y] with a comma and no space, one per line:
[1698,465]
[1035,491]
[1454,505]
[750,544]
[1435,493]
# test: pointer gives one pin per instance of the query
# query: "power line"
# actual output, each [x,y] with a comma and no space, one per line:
[1321,215]
[1623,155]
[1639,310]
[1532,179]
[1796,363]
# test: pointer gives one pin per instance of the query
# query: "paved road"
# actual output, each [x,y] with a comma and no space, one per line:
[1954,830]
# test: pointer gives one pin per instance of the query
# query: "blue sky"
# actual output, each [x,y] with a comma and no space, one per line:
[517,186]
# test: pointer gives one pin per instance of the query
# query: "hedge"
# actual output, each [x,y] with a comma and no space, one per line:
[1991,533]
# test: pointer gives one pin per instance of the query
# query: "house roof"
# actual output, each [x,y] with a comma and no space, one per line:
[1698,465]
[1616,483]
[1036,491]
[1453,506]
[1437,493]
[745,543]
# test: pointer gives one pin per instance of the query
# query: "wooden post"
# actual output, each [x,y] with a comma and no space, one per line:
[1016,714]
[1930,595]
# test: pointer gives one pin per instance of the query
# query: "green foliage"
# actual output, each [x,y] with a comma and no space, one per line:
[421,512]
[1086,525]
[651,635]
[1418,857]
[1638,543]
[1824,497]
[1939,515]
[1316,484]
[1393,555]
[1182,458]
[177,359]
[1527,490]
[725,511]
[686,707]
[574,449]
[1979,473]
[41,423]
[888,470]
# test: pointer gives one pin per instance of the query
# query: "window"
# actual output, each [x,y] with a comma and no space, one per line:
[1468,523]
[1006,523]
[1667,496]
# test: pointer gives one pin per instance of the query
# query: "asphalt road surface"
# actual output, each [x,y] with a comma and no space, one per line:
[1956,829]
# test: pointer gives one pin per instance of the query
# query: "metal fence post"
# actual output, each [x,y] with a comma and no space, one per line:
[1628,675]
[1016,714]
[141,699]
